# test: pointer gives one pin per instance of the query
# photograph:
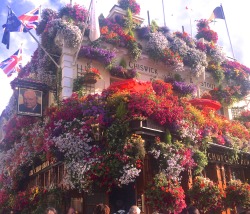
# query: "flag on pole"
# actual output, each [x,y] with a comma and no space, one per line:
[30,20]
[94,28]
[13,63]
[217,14]
[13,24]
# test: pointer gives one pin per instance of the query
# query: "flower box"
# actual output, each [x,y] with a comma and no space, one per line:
[90,78]
[149,126]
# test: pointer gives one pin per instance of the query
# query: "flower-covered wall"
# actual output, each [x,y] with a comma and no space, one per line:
[156,76]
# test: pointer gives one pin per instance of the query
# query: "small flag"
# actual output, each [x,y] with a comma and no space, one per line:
[13,63]
[94,28]
[217,14]
[13,24]
[30,20]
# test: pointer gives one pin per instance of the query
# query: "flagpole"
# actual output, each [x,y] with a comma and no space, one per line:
[227,30]
[163,13]
[191,26]
[40,12]
[82,34]
[58,66]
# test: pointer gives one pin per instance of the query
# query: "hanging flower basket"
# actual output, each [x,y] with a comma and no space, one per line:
[164,195]
[237,194]
[91,76]
[206,195]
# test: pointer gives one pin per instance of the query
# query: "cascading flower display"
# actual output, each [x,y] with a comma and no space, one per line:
[165,195]
[99,54]
[75,12]
[205,32]
[237,194]
[93,134]
[186,38]
[120,71]
[172,158]
[244,118]
[181,48]
[205,195]
[114,156]
[196,60]
[77,149]
[156,45]
[114,33]
[181,88]
[130,4]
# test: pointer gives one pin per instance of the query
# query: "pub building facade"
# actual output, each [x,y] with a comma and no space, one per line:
[221,167]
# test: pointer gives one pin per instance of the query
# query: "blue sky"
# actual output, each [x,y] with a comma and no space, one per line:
[236,13]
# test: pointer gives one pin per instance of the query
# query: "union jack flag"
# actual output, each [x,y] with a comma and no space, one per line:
[30,20]
[12,64]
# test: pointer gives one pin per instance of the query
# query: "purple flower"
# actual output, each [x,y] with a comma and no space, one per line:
[131,4]
[122,72]
[182,88]
[143,32]
[99,54]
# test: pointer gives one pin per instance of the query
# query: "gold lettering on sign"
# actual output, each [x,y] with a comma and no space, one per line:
[39,168]
[225,158]
[213,156]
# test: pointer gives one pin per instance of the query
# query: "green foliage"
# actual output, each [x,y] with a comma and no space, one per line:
[116,135]
[201,160]
[129,23]
[135,147]
[78,83]
[123,63]
[168,137]
[154,26]
[216,70]
[121,110]
[135,50]
[178,78]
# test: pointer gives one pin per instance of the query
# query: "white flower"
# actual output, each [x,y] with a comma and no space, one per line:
[155,153]
[129,174]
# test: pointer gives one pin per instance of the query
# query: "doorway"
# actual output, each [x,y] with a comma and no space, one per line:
[122,198]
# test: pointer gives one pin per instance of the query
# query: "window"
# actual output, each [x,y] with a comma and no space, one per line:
[237,173]
[236,111]
[60,173]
